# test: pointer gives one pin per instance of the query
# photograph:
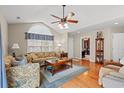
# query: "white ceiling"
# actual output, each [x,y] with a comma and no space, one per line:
[88,15]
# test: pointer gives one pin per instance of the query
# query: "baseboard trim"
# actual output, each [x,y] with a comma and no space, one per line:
[91,60]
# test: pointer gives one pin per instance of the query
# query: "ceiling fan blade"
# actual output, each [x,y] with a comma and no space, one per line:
[55,22]
[72,21]
[70,15]
[55,16]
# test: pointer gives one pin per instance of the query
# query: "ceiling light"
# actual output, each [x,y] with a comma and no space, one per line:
[116,23]
[64,20]
[78,32]
[63,26]
[60,26]
[18,17]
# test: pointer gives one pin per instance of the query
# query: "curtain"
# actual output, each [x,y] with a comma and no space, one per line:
[3,79]
[38,36]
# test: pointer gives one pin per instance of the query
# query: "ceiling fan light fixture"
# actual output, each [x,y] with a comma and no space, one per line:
[65,19]
[63,26]
[60,26]
[66,25]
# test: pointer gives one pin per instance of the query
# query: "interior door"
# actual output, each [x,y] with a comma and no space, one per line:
[118,46]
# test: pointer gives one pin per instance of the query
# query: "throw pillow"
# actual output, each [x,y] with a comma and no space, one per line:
[22,61]
[15,63]
[34,56]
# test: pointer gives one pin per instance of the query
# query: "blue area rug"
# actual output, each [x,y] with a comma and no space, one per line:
[49,81]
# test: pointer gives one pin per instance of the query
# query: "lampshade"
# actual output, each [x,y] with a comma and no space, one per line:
[59,45]
[66,25]
[15,46]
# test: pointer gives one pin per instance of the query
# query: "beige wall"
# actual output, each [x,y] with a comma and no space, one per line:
[76,44]
[70,46]
[4,33]
[92,34]
[17,35]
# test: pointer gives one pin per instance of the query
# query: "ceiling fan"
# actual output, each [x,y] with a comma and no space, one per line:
[66,19]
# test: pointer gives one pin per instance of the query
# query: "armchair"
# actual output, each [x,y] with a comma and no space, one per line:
[107,68]
[25,76]
[111,75]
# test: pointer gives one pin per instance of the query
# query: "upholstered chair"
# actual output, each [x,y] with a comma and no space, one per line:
[111,75]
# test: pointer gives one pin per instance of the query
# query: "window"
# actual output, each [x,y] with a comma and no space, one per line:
[39,39]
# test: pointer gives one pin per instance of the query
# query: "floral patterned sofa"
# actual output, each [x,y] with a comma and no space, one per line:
[22,76]
[40,57]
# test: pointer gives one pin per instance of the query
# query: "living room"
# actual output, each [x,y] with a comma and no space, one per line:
[38,52]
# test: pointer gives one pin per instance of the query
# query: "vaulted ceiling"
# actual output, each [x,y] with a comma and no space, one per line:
[88,15]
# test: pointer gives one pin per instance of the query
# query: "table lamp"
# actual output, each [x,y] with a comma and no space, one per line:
[14,47]
[59,46]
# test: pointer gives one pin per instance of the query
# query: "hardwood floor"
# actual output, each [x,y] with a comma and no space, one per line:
[88,79]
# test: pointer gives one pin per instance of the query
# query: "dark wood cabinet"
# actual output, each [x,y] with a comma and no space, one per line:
[99,50]
[63,55]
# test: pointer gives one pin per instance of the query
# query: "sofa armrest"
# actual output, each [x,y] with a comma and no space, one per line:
[110,81]
[112,63]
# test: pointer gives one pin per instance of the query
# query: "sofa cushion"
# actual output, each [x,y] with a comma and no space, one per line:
[46,54]
[9,59]
[58,55]
[34,56]
[52,54]
[50,58]
[40,55]
[29,58]
[38,60]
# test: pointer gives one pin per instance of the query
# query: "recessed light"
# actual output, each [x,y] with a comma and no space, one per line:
[18,17]
[116,23]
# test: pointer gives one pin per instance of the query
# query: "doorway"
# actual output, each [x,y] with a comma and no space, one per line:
[118,46]
[85,47]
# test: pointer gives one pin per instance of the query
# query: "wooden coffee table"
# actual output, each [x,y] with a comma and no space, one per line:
[55,63]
